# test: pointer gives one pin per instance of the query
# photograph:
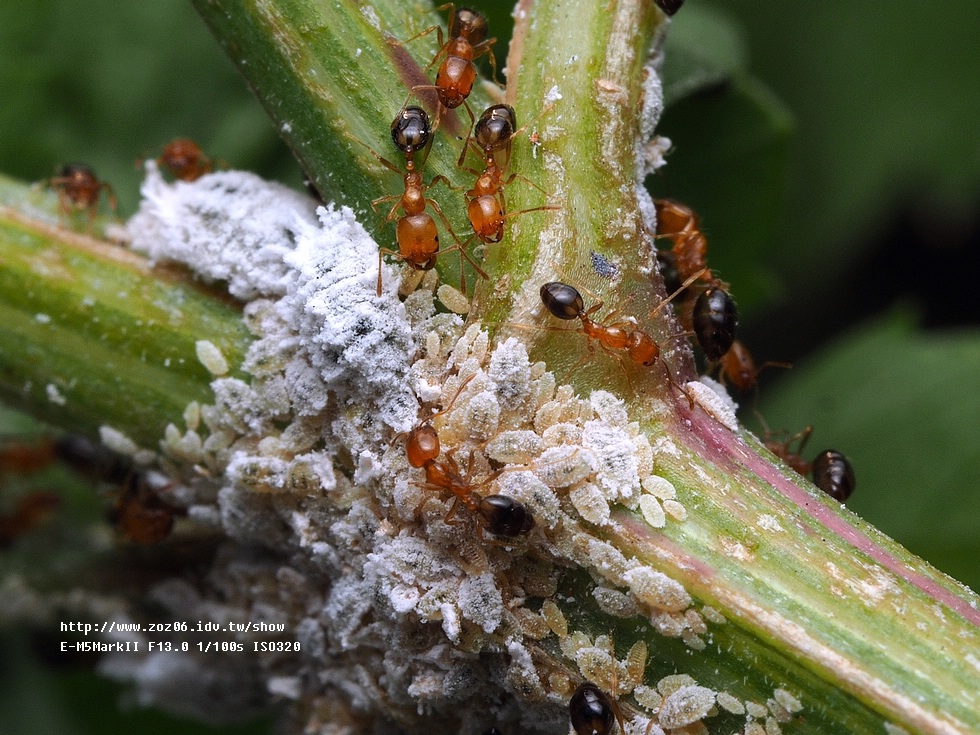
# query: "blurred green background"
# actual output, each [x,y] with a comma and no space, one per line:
[832,151]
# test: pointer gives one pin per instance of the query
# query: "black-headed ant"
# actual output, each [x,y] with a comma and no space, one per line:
[498,515]
[565,302]
[714,318]
[416,232]
[831,471]
[486,208]
[457,73]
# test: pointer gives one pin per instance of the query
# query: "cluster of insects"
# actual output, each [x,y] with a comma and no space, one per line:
[490,137]
[138,513]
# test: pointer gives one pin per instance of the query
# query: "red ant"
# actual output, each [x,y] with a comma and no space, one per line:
[184,158]
[565,302]
[416,233]
[32,509]
[830,469]
[738,367]
[78,187]
[457,73]
[138,512]
[714,318]
[486,207]
[499,515]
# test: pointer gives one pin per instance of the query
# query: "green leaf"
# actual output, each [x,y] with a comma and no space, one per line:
[109,83]
[704,49]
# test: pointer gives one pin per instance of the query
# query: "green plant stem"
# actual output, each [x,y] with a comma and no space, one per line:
[90,335]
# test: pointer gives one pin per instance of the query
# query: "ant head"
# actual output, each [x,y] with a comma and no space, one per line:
[495,127]
[76,171]
[562,300]
[469,24]
[590,710]
[504,516]
[411,130]
[833,474]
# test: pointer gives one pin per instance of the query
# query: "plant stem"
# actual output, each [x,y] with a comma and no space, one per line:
[90,335]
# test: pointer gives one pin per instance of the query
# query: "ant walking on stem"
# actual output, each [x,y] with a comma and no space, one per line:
[79,188]
[830,469]
[714,318]
[457,73]
[565,302]
[416,232]
[486,208]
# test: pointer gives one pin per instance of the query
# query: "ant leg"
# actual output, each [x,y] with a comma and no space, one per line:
[486,47]
[678,386]
[676,293]
[438,29]
[463,255]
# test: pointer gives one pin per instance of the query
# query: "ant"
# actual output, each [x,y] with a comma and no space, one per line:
[498,515]
[739,368]
[486,208]
[457,73]
[184,158]
[714,318]
[32,509]
[565,302]
[830,469]
[78,187]
[591,710]
[416,233]
[138,512]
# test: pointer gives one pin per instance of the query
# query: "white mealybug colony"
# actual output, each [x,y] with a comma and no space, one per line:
[428,589]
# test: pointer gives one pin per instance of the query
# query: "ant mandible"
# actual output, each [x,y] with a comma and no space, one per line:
[184,158]
[486,207]
[498,515]
[78,187]
[457,73]
[416,232]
